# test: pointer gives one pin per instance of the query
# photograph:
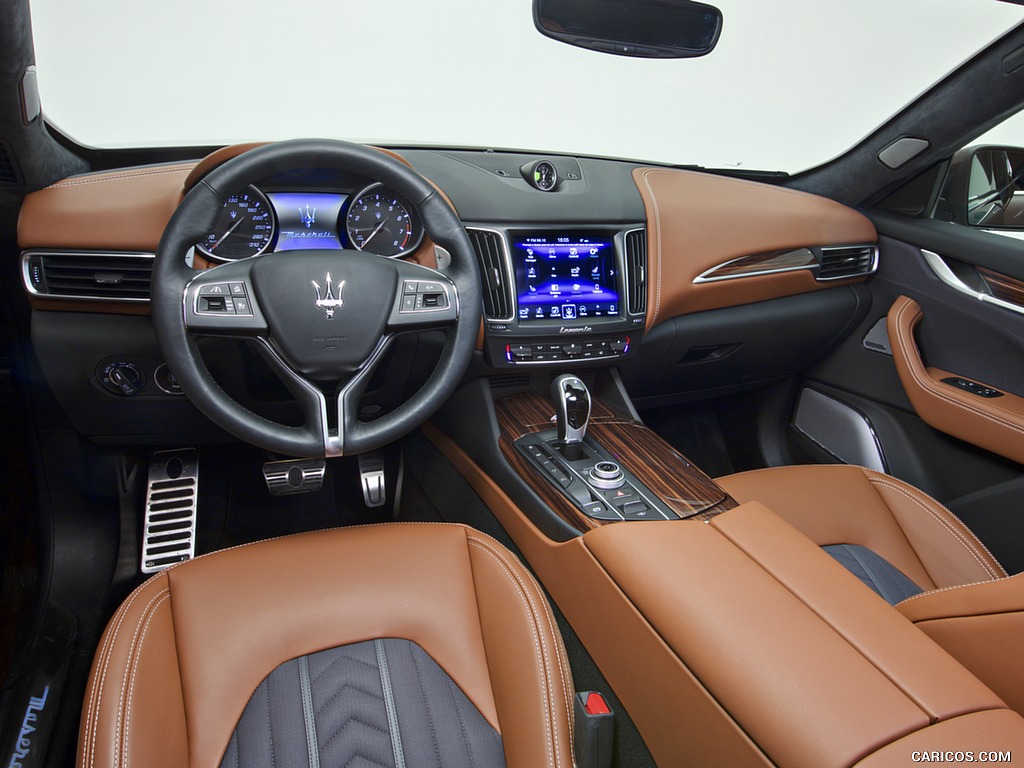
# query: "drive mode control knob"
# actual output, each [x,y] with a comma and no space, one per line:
[607,475]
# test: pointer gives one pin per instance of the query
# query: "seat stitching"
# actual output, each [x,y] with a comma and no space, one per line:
[106,664]
[539,641]
[944,523]
[945,589]
[969,616]
[564,675]
[92,714]
[134,664]
[539,650]
[956,522]
[421,684]
[932,389]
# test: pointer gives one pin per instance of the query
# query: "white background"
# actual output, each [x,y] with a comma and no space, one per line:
[790,85]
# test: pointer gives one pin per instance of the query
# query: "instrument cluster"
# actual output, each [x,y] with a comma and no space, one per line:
[372,218]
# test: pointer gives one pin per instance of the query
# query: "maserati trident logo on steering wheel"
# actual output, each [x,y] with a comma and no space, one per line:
[328,302]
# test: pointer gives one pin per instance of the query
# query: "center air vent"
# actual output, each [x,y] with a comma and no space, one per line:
[494,266]
[636,271]
[840,262]
[89,276]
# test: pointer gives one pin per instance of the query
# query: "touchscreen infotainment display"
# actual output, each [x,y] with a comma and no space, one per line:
[564,277]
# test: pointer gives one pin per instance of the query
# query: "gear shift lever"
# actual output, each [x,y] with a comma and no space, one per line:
[572,408]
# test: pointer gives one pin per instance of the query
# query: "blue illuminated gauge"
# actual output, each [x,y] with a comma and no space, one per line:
[245,228]
[381,222]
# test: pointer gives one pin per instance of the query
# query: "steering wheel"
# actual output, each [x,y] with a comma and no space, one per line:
[322,319]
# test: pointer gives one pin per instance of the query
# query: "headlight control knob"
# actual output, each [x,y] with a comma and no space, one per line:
[122,378]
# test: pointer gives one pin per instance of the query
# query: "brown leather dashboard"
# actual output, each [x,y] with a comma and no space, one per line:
[697,221]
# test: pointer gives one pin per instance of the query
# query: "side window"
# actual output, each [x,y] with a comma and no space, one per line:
[984,186]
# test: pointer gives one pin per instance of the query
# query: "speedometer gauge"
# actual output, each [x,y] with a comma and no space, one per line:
[245,228]
[381,222]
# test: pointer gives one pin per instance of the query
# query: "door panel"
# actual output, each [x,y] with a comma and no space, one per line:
[966,449]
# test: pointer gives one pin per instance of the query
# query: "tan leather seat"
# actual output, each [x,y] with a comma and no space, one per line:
[185,652]
[969,607]
[840,504]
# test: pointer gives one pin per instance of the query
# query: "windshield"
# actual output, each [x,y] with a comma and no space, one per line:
[789,86]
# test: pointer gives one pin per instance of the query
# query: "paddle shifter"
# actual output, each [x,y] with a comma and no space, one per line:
[572,408]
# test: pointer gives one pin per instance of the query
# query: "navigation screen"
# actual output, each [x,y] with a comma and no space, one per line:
[565,277]
[307,219]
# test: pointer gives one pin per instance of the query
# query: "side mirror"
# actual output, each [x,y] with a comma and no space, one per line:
[984,188]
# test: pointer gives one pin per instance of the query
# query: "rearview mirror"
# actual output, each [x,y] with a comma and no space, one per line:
[985,188]
[648,28]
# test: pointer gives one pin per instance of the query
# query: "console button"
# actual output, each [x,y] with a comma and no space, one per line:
[619,346]
[599,511]
[572,349]
[638,510]
[620,496]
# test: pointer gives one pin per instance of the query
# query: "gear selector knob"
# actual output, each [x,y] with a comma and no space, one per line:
[572,408]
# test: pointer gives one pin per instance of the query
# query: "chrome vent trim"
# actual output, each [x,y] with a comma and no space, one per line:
[88,275]
[636,271]
[496,271]
[709,276]
[841,262]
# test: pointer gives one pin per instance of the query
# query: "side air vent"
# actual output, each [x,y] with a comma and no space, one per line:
[89,276]
[494,265]
[840,262]
[636,271]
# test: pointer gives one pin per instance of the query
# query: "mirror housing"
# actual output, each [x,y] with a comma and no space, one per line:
[984,188]
[645,28]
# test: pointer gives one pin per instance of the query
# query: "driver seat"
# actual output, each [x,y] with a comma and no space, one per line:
[397,644]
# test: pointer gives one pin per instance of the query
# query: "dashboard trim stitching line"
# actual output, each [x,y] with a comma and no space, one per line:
[103,178]
[657,228]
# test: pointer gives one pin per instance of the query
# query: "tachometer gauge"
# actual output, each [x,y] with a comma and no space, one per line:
[381,222]
[245,228]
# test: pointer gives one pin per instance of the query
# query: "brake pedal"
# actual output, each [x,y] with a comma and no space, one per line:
[172,496]
[371,476]
[285,478]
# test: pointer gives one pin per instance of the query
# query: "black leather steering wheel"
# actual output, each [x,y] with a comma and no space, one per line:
[322,319]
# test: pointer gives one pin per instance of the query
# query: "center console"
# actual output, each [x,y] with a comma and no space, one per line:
[558,295]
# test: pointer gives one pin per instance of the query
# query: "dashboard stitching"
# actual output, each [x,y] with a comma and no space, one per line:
[657,228]
[100,179]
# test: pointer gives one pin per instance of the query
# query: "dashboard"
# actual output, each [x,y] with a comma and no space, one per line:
[685,281]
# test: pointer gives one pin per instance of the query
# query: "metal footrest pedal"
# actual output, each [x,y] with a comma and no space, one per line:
[285,478]
[172,496]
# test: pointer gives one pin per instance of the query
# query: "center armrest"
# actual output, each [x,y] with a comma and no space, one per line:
[817,669]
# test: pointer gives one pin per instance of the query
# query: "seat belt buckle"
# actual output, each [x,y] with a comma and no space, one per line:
[594,730]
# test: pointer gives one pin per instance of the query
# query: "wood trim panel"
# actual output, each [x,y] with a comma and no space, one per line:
[777,261]
[684,488]
[1004,287]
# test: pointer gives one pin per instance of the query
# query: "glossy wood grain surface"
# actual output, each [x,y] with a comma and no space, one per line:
[1003,286]
[684,488]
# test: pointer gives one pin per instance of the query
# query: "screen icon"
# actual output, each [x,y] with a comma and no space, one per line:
[569,311]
